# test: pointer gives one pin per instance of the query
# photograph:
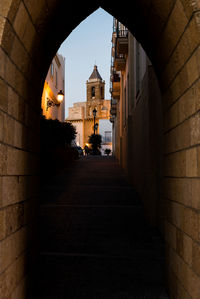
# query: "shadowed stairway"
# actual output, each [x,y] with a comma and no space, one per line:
[95,242]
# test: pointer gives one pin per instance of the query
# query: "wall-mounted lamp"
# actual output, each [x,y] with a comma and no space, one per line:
[51,103]
[60,96]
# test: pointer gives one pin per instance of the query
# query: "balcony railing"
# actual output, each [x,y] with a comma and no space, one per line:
[122,42]
[113,103]
[113,111]
[115,93]
[118,57]
[112,118]
[114,77]
[120,62]
[122,32]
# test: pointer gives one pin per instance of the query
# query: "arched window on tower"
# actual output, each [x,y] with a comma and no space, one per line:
[93,91]
[102,95]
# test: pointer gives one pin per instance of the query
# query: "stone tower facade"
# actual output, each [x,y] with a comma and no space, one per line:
[95,86]
[81,114]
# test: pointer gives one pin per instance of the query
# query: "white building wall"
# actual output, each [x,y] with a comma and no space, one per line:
[105,126]
[54,82]
[79,129]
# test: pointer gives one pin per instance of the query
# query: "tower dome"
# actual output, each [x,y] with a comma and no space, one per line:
[95,75]
[95,86]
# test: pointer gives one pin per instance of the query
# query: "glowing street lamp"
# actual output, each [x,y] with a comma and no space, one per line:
[60,98]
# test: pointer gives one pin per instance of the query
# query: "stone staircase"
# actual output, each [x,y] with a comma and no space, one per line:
[94,240]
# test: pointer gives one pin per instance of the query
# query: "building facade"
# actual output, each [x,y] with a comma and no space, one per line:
[136,115]
[81,114]
[54,83]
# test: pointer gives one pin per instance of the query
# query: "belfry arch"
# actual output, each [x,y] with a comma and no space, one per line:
[31,31]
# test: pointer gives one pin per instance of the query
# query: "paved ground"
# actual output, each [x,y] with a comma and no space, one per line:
[95,243]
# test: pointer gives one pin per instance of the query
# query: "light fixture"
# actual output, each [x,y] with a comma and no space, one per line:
[96,126]
[60,96]
[94,112]
[51,103]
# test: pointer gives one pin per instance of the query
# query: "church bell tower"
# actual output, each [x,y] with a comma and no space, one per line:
[95,86]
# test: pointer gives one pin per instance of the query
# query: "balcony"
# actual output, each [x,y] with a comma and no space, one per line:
[113,103]
[122,42]
[120,63]
[115,77]
[113,111]
[116,86]
[112,119]
[116,95]
[115,91]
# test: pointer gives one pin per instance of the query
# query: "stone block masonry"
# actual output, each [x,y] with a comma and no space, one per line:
[30,34]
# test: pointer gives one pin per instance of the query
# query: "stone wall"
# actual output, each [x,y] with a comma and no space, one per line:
[19,148]
[144,149]
[180,81]
[170,36]
[30,34]
[99,89]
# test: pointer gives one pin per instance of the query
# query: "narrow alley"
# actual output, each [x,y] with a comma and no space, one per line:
[95,242]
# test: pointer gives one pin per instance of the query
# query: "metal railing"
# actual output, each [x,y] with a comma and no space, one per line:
[122,33]
[119,31]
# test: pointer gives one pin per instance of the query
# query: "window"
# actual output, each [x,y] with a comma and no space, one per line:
[52,70]
[93,91]
[102,95]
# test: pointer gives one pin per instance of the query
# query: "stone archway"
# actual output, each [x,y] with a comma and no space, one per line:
[30,34]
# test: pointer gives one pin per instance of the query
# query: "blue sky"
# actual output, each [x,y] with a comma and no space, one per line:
[88,44]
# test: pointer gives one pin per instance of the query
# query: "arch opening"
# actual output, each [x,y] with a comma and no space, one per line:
[170,36]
